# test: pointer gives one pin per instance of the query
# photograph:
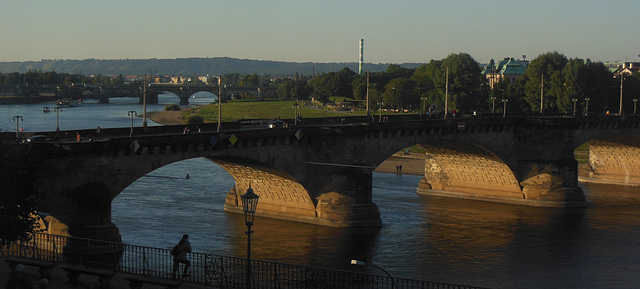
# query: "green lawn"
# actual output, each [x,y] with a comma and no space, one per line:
[237,110]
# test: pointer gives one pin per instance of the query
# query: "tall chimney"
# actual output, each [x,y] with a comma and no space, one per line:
[361,56]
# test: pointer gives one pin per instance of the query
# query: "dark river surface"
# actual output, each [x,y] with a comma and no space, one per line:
[431,238]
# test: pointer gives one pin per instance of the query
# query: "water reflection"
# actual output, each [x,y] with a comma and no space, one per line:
[423,237]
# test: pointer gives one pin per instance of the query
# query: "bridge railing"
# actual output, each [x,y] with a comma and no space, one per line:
[206,269]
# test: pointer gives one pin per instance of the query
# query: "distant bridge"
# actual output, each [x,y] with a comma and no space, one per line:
[151,93]
[321,172]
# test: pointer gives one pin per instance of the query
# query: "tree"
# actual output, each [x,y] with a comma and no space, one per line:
[18,200]
[333,84]
[291,89]
[12,78]
[424,79]
[464,82]
[399,92]
[600,87]
[540,78]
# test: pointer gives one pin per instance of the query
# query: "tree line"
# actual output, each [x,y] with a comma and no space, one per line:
[33,77]
[552,84]
[562,82]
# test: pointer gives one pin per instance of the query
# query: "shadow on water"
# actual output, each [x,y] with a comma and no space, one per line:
[423,237]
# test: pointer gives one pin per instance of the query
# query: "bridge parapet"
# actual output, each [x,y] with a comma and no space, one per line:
[320,172]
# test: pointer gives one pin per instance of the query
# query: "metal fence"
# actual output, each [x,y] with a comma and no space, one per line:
[206,269]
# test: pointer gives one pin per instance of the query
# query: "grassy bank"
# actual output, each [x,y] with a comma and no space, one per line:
[237,110]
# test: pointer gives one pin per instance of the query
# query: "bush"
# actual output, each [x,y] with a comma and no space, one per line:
[195,119]
[171,107]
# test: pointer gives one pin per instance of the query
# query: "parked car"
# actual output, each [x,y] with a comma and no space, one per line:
[39,138]
[276,123]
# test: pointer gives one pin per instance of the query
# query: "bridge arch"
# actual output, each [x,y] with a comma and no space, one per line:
[278,190]
[467,168]
[613,158]
[333,162]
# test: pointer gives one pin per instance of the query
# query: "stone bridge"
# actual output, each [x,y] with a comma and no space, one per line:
[321,173]
[105,92]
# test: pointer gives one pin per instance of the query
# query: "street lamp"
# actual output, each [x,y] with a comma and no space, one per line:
[586,108]
[574,106]
[380,104]
[57,109]
[144,102]
[621,83]
[17,119]
[296,107]
[635,102]
[363,263]
[132,113]
[504,108]
[219,103]
[249,205]
[493,105]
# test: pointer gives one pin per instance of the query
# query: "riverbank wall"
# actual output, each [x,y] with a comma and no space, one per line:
[24,100]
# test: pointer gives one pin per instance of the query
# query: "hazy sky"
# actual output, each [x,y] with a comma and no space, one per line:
[395,31]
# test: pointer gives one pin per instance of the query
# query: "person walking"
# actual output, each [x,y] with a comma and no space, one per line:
[180,256]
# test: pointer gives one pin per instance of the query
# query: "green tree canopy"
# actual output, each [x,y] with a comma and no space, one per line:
[18,200]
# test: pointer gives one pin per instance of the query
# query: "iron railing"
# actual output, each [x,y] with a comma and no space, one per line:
[206,269]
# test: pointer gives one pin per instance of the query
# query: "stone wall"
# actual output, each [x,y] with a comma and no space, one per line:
[615,159]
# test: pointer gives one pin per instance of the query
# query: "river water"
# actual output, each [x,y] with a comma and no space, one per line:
[423,237]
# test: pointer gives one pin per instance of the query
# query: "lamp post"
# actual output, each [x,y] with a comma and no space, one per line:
[541,93]
[446,95]
[367,94]
[57,109]
[621,82]
[380,104]
[574,106]
[635,102]
[493,105]
[249,205]
[296,107]
[17,119]
[424,106]
[144,102]
[363,263]
[132,113]
[219,103]
[586,108]
[504,108]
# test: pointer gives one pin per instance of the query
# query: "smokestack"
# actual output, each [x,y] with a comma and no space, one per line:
[361,56]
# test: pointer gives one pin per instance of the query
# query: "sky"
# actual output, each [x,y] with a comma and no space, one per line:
[397,31]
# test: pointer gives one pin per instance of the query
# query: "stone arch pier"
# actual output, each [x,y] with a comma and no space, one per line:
[321,172]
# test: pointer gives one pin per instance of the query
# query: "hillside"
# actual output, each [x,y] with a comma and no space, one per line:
[185,66]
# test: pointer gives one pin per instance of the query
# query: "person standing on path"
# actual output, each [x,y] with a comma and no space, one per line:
[184,247]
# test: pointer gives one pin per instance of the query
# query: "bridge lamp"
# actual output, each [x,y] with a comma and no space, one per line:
[219,103]
[17,119]
[249,205]
[574,106]
[296,107]
[132,113]
[635,102]
[57,109]
[363,263]
[493,105]
[504,108]
[144,102]
[586,108]
[621,83]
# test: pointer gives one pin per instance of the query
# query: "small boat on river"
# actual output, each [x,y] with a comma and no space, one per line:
[69,102]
